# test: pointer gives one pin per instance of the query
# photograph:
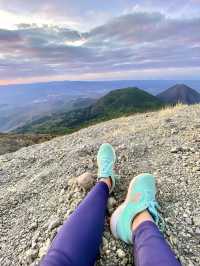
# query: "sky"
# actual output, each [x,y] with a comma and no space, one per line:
[99,40]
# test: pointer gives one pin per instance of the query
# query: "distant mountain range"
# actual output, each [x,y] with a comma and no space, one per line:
[20,94]
[114,104]
[180,93]
[27,103]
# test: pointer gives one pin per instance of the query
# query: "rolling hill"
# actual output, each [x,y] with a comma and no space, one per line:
[114,104]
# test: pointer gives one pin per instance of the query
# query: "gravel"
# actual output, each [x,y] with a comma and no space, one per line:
[39,187]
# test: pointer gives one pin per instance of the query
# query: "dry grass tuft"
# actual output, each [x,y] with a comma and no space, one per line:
[170,110]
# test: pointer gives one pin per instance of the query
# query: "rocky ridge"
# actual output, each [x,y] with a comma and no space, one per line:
[39,188]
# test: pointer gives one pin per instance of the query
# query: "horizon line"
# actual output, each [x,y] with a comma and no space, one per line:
[106,80]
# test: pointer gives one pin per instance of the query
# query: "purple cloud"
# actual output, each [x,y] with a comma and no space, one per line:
[133,41]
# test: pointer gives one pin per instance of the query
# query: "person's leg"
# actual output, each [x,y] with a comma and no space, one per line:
[77,242]
[149,245]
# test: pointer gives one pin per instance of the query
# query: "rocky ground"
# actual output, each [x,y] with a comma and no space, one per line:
[38,187]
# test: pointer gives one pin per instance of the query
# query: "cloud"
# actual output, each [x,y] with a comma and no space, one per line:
[132,42]
[143,27]
[7,36]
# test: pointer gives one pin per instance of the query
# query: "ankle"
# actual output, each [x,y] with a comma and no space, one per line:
[107,181]
[140,218]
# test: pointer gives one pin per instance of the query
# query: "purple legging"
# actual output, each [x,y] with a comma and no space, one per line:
[77,243]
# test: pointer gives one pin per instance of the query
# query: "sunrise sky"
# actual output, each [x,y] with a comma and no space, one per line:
[99,40]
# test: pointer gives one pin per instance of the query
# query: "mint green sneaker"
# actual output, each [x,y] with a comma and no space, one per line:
[140,196]
[106,158]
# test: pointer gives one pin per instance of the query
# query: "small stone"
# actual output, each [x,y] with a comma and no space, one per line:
[62,192]
[108,252]
[121,253]
[67,214]
[44,248]
[173,240]
[114,248]
[85,180]
[90,164]
[33,245]
[182,260]
[104,242]
[70,181]
[65,186]
[196,220]
[61,200]
[176,149]
[111,202]
[36,236]
[188,220]
[168,120]
[53,234]
[55,222]
[33,226]
[125,261]
[197,231]
[111,205]
[31,255]
[190,263]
